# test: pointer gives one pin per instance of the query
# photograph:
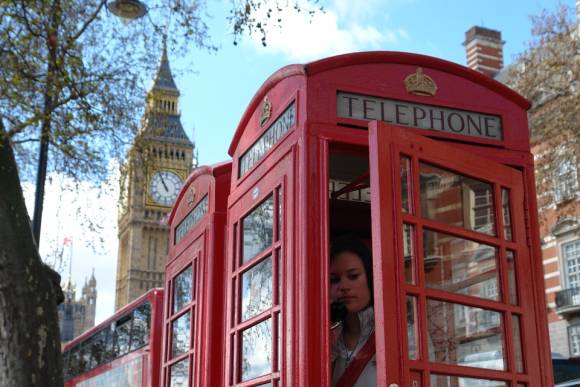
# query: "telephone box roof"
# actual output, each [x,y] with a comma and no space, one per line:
[372,57]
[215,169]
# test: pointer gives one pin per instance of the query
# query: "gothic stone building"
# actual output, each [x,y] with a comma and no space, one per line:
[158,162]
[76,316]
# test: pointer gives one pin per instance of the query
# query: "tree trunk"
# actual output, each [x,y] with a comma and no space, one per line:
[29,291]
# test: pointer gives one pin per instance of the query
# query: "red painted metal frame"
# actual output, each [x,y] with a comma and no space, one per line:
[388,143]
[299,162]
[203,247]
[150,352]
[273,178]
[365,73]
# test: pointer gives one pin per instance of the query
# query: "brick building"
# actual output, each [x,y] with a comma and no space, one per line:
[558,206]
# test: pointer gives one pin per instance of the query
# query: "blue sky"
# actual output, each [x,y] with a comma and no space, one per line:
[217,89]
[214,98]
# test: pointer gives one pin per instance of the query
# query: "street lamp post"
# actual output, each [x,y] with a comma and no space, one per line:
[127,10]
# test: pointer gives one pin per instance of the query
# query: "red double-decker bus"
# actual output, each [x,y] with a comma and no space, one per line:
[124,350]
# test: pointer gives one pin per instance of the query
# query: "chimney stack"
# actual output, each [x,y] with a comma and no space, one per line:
[484,49]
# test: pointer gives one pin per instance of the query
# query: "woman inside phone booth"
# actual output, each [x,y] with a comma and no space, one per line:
[351,290]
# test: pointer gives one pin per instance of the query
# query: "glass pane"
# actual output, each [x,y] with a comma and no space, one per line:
[456,381]
[507,219]
[257,230]
[65,364]
[109,346]
[257,350]
[409,252]
[517,338]
[279,333]
[464,335]
[456,200]
[405,176]
[257,289]
[140,331]
[279,284]
[82,365]
[74,361]
[181,331]
[122,335]
[179,373]
[98,348]
[182,289]
[412,327]
[512,283]
[235,245]
[460,265]
[86,354]
[279,217]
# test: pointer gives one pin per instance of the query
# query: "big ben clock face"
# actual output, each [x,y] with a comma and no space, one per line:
[164,187]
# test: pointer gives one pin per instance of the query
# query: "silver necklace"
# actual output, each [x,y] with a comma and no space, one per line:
[349,354]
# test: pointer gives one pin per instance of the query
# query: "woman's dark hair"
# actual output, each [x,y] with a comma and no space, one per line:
[352,244]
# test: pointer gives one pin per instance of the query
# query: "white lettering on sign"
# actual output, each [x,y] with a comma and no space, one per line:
[267,140]
[466,123]
[191,219]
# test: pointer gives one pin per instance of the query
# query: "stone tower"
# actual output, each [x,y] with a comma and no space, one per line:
[77,316]
[89,300]
[158,163]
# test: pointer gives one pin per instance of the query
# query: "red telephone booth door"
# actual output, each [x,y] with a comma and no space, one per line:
[455,300]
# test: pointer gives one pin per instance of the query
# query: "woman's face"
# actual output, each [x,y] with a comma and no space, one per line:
[348,282]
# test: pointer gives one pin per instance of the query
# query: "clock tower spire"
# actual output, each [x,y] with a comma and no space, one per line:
[158,162]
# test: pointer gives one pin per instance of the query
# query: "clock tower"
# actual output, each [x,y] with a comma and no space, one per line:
[158,163]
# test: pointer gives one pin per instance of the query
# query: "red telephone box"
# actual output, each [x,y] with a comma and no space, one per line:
[430,163]
[194,277]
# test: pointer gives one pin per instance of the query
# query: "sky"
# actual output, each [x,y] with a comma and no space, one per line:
[216,91]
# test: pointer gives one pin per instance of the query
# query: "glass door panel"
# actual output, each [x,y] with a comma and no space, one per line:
[451,242]
[254,352]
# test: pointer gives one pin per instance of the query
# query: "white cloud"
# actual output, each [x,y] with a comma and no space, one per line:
[62,217]
[343,27]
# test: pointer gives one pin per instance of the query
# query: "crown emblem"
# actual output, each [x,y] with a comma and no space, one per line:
[266,111]
[190,196]
[420,84]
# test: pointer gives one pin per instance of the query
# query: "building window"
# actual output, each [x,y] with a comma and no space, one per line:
[571,255]
[565,180]
[574,339]
[482,207]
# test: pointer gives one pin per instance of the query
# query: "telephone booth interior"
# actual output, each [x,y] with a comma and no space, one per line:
[194,309]
[429,163]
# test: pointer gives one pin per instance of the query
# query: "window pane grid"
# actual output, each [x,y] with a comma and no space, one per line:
[574,339]
[184,288]
[489,225]
[454,199]
[565,180]
[571,254]
[256,274]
